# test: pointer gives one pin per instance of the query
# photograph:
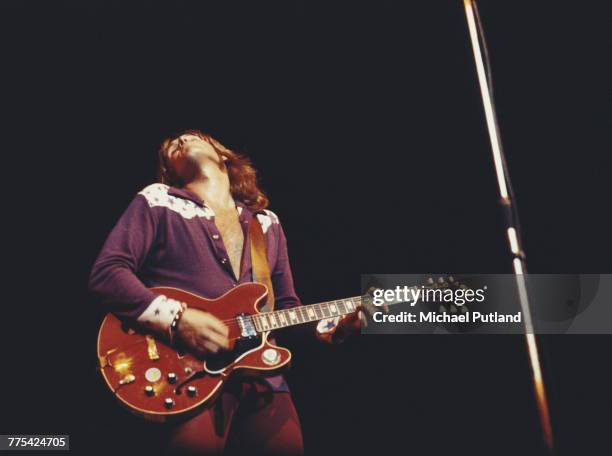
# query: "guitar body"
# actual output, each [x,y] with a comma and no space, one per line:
[154,380]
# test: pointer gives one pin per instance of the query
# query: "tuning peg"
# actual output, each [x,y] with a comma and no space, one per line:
[430,281]
[451,279]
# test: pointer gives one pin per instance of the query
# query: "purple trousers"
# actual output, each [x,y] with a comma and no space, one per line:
[247,418]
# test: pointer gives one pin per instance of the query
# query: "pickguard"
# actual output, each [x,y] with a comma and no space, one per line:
[218,362]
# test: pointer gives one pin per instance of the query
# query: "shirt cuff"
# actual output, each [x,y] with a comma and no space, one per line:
[328,325]
[159,315]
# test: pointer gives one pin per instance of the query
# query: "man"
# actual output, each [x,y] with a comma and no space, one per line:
[191,232]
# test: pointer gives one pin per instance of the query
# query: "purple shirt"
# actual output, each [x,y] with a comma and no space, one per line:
[168,237]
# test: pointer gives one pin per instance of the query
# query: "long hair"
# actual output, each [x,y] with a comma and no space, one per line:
[242,175]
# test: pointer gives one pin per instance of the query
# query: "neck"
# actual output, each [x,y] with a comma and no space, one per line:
[212,186]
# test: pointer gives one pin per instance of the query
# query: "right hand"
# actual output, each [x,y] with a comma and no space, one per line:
[202,332]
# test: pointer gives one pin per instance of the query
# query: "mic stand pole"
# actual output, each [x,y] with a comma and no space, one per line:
[511,216]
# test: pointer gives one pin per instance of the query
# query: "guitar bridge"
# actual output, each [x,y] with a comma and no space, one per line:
[247,328]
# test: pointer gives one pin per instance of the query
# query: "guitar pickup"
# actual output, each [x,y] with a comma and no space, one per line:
[247,328]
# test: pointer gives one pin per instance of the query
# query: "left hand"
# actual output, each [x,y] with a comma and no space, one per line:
[347,326]
[353,322]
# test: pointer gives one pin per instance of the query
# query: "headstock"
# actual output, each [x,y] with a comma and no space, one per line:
[440,284]
[447,283]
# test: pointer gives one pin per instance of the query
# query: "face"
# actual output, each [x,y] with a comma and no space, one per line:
[187,154]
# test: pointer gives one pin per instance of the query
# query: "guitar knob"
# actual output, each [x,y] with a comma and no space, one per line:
[172,377]
[270,357]
[149,391]
[192,391]
[153,374]
[169,402]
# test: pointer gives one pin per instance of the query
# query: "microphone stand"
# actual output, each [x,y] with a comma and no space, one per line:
[508,204]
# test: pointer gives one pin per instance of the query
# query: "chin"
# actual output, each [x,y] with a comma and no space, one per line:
[201,156]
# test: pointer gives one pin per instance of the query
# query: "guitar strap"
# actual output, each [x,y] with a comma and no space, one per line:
[259,261]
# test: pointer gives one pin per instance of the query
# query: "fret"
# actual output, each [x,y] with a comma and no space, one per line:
[264,322]
[333,309]
[342,308]
[293,316]
[317,310]
[273,321]
[325,311]
[288,316]
[303,315]
[255,319]
[277,318]
[283,320]
[350,306]
[311,313]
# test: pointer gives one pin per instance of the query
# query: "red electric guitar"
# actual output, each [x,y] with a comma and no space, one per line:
[158,382]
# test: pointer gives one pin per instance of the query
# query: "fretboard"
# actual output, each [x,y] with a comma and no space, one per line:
[268,321]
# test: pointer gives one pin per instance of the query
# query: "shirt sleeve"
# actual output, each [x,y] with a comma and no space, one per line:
[113,279]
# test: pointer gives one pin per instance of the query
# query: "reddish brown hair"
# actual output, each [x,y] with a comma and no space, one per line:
[242,175]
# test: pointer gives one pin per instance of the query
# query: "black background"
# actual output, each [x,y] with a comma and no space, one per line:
[365,121]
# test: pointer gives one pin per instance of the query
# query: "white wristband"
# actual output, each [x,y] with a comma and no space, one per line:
[160,314]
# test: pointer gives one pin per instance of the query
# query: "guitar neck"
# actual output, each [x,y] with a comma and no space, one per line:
[267,321]
[277,319]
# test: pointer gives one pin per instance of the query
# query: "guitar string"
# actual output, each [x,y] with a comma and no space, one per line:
[326,303]
[291,323]
[278,312]
[340,301]
[233,323]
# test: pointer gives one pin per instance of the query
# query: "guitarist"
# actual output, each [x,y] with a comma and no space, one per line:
[191,232]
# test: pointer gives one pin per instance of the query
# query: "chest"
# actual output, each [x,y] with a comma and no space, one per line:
[229,227]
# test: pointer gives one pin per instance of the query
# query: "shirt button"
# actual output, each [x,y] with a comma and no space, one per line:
[223,260]
[215,236]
